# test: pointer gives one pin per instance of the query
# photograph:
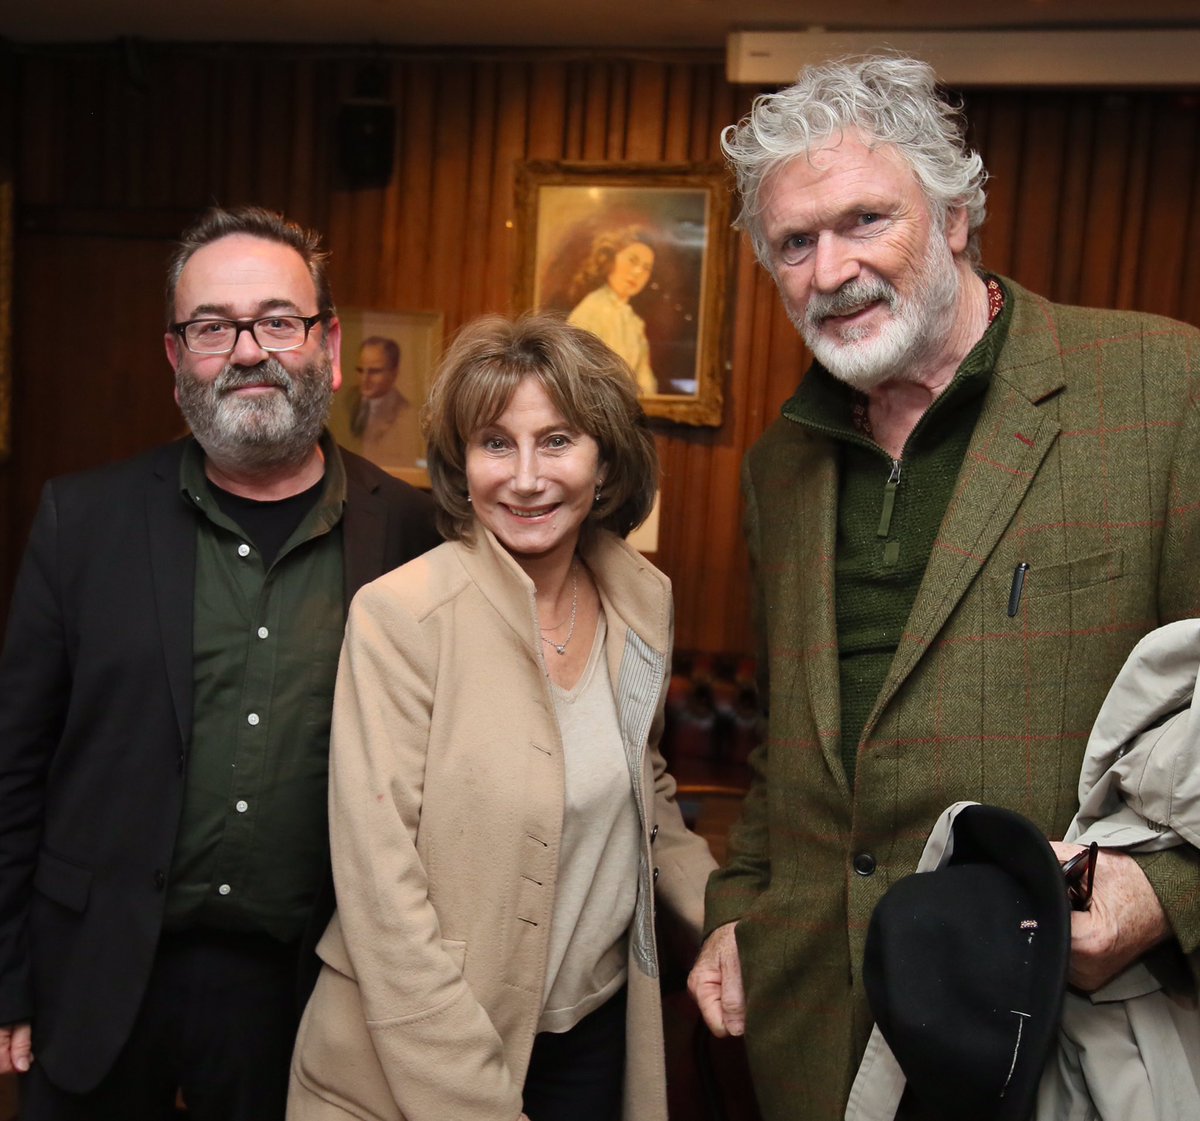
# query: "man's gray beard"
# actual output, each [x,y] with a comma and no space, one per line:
[259,432]
[906,343]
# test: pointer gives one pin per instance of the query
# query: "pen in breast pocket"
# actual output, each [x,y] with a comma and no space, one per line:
[1018,585]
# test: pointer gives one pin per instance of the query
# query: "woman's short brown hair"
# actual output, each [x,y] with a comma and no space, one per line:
[593,389]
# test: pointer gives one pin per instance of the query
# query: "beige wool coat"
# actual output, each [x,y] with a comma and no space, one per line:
[446,805]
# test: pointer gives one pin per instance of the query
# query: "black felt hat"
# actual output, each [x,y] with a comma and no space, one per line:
[965,969]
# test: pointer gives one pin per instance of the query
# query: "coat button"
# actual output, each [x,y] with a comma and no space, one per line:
[864,864]
[654,834]
[655,875]
[160,879]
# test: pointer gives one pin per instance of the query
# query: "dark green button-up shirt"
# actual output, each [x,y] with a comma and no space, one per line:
[252,846]
[889,512]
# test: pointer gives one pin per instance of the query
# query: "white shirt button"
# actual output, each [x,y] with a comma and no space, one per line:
[252,720]
[241,805]
[243,550]
[263,632]
[224,889]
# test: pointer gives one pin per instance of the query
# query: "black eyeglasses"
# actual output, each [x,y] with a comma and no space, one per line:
[1080,872]
[271,332]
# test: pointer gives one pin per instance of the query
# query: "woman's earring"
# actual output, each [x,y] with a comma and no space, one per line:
[598,486]
[468,496]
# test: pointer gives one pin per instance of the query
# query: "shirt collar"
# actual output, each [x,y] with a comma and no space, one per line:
[193,483]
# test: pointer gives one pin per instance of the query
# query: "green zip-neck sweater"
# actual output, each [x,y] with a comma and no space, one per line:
[889,512]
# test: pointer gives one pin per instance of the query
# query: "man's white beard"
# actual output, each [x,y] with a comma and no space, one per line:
[899,349]
[261,432]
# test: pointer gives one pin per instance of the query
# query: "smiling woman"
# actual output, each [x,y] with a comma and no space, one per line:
[507,693]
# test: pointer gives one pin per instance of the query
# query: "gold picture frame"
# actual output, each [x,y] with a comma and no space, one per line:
[376,411]
[639,254]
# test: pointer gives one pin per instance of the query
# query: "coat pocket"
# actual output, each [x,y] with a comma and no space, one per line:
[63,882]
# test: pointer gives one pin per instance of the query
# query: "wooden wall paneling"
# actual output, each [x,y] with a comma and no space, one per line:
[1171,171]
[999,141]
[702,124]
[1039,193]
[479,217]
[596,111]
[120,400]
[220,112]
[1106,202]
[619,112]
[546,119]
[182,86]
[239,155]
[38,168]
[83,152]
[511,130]
[645,125]
[392,203]
[271,129]
[575,108]
[114,176]
[677,115]
[414,182]
[165,119]
[1129,232]
[453,223]
[1078,143]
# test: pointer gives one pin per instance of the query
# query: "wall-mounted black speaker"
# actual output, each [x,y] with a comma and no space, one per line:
[366,134]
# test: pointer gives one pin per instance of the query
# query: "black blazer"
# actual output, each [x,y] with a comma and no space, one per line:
[95,728]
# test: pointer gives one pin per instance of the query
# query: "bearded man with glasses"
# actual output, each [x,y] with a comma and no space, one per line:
[165,695]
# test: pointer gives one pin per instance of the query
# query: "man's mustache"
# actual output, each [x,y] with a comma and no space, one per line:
[269,372]
[851,296]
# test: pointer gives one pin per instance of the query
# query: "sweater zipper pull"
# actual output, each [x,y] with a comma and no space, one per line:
[889,499]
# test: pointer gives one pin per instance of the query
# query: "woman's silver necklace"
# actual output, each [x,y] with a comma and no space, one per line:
[561,647]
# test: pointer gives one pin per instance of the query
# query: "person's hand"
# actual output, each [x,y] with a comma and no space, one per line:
[1124,921]
[716,983]
[16,1048]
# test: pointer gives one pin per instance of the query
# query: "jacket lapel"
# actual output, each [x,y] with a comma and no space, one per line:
[364,534]
[815,545]
[1012,437]
[171,530]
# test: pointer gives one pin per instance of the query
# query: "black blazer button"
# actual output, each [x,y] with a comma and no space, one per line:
[864,864]
[160,879]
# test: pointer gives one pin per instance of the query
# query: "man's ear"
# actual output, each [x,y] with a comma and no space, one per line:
[333,344]
[171,344]
[958,231]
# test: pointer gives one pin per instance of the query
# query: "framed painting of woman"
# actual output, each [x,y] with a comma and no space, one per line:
[636,254]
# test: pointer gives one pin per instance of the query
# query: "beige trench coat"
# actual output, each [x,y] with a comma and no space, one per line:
[446,804]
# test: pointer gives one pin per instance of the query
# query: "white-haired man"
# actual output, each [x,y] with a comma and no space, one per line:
[967,515]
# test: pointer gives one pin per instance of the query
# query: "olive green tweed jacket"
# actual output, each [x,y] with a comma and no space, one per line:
[1085,464]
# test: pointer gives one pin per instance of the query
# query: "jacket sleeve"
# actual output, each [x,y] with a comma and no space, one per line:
[1175,875]
[440,1053]
[34,683]
[682,857]
[734,887]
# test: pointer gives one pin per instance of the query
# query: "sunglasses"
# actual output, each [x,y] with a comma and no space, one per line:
[1080,872]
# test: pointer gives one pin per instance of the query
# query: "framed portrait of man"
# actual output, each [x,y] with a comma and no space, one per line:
[637,254]
[388,358]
